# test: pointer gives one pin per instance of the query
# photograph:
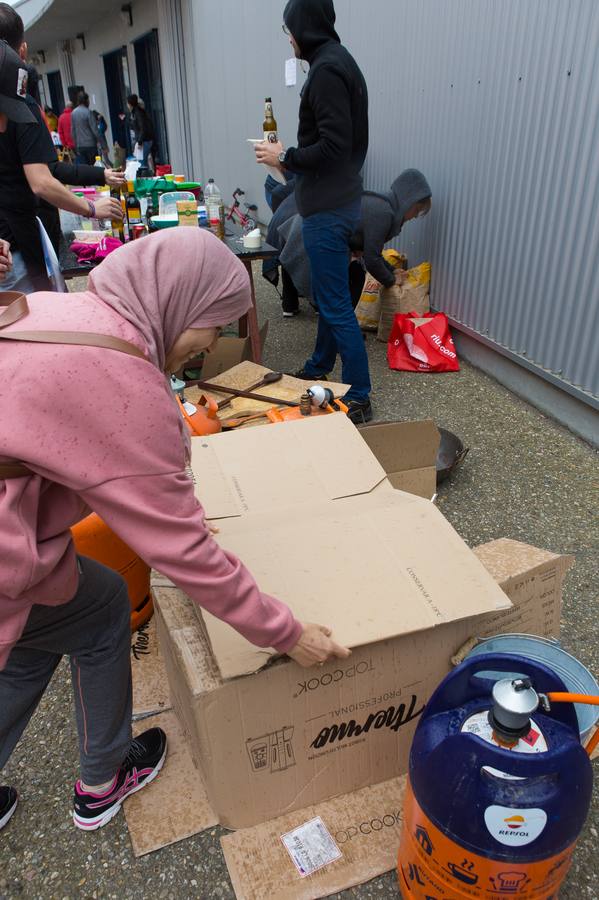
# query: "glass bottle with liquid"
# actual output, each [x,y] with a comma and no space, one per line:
[133,206]
[119,228]
[269,126]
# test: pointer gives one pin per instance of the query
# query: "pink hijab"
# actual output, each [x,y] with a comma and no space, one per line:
[176,279]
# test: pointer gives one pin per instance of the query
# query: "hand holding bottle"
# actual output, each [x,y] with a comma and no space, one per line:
[268,153]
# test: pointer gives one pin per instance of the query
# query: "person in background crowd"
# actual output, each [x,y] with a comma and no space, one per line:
[30,176]
[85,131]
[105,458]
[64,127]
[332,146]
[142,127]
[103,143]
[51,118]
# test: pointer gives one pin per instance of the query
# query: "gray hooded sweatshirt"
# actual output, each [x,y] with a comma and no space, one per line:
[381,219]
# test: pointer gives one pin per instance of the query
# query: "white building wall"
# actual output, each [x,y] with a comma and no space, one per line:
[88,64]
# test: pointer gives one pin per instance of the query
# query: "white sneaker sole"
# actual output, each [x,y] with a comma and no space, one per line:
[6,817]
[85,825]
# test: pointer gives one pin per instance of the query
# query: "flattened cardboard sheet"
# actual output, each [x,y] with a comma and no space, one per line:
[366,826]
[175,805]
[374,566]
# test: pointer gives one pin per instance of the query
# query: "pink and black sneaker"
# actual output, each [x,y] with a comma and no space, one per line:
[141,766]
[8,803]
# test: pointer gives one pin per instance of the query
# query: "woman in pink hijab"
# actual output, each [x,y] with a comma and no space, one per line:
[98,429]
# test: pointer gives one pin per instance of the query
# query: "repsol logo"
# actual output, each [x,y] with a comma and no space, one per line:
[389,820]
[514,834]
[393,718]
[332,677]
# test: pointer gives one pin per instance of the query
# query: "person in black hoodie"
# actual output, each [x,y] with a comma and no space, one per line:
[332,142]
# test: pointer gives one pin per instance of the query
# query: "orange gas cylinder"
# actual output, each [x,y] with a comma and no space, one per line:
[201,418]
[94,538]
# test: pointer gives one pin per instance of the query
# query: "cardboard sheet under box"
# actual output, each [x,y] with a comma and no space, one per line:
[284,738]
[365,827]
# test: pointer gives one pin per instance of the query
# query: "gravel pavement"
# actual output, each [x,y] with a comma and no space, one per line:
[525,478]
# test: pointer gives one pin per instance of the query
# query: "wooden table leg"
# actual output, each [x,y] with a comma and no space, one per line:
[249,322]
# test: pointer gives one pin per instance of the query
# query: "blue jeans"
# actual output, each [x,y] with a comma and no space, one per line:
[17,278]
[146,149]
[326,237]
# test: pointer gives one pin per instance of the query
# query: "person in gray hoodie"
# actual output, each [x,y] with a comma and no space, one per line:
[382,216]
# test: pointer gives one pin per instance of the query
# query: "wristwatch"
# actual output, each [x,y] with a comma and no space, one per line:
[282,156]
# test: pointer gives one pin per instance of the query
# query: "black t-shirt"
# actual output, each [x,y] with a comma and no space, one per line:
[21,145]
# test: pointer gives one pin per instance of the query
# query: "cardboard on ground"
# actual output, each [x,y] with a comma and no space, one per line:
[310,511]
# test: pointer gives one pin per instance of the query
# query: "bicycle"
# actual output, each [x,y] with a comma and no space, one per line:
[246,220]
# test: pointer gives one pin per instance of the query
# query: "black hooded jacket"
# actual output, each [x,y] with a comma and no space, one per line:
[332,133]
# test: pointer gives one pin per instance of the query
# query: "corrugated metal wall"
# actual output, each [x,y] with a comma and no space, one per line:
[498,104]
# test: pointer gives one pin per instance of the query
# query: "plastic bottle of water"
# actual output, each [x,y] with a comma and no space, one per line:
[99,163]
[214,208]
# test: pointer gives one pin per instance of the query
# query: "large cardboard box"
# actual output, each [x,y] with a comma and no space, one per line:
[285,737]
[310,510]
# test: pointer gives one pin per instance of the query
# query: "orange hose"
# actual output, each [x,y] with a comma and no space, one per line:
[563,697]
[592,744]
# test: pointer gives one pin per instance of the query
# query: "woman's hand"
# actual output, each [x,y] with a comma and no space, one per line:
[315,646]
[400,276]
[114,178]
[5,259]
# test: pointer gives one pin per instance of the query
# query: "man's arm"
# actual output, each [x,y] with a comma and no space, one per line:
[44,185]
[376,231]
[67,173]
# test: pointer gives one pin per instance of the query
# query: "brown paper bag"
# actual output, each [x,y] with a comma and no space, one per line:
[411,296]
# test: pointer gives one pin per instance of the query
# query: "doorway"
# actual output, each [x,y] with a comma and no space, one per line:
[149,88]
[118,88]
[56,91]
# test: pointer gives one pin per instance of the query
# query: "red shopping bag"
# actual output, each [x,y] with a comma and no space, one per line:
[421,345]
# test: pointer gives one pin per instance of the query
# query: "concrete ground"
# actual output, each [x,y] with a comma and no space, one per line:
[525,478]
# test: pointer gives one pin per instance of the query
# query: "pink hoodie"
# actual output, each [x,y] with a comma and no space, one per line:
[100,430]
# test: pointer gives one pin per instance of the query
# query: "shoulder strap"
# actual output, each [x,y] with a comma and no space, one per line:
[13,308]
[16,308]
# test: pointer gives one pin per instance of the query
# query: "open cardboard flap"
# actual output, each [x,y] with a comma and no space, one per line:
[282,466]
[301,504]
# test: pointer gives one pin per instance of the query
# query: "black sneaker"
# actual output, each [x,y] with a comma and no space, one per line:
[141,766]
[8,803]
[358,411]
[290,313]
[301,373]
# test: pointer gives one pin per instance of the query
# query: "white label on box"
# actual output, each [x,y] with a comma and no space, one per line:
[311,846]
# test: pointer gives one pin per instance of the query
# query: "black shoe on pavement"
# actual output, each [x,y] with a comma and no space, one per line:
[301,373]
[359,411]
[141,766]
[8,803]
